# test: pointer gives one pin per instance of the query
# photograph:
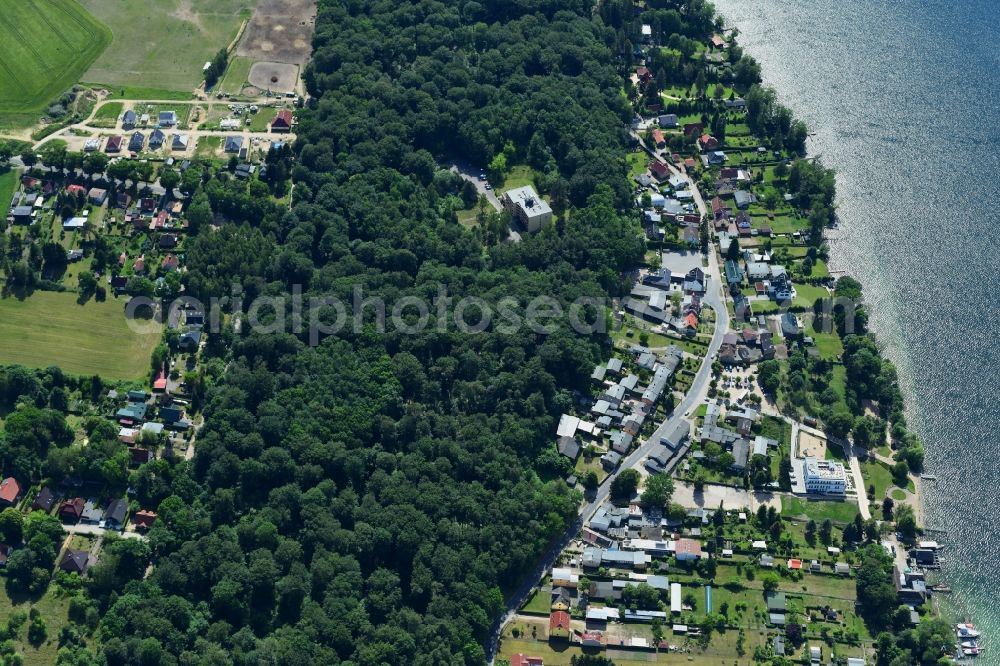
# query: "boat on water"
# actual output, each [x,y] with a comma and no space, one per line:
[970,644]
[966,631]
[970,652]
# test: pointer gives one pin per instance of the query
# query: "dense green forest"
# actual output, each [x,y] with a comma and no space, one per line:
[368,500]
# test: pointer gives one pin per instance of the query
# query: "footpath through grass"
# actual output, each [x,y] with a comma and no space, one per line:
[50,328]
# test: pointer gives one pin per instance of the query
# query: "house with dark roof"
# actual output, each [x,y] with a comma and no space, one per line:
[282,121]
[114,517]
[157,139]
[75,561]
[10,491]
[568,447]
[44,500]
[136,142]
[129,119]
[233,144]
[114,144]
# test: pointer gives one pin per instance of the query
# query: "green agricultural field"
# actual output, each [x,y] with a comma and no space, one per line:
[165,44]
[8,183]
[44,47]
[49,328]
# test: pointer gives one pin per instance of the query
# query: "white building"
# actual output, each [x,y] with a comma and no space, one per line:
[824,476]
[525,205]
[675,598]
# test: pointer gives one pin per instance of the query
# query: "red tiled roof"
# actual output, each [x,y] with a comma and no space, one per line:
[10,490]
[144,518]
[559,620]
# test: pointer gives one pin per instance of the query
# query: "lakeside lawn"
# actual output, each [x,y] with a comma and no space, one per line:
[50,328]
[819,510]
[44,47]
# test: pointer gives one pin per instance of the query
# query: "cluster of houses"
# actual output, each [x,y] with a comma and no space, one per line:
[732,429]
[750,345]
[623,405]
[649,300]
[768,280]
[670,202]
[63,502]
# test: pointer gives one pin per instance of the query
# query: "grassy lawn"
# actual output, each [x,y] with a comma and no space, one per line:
[637,164]
[44,47]
[8,184]
[519,176]
[820,510]
[54,609]
[898,494]
[107,115]
[539,603]
[236,75]
[49,328]
[162,42]
[208,146]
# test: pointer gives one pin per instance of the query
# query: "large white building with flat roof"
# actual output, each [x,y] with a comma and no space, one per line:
[824,476]
[525,205]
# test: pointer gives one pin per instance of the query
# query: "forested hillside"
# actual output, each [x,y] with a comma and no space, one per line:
[368,501]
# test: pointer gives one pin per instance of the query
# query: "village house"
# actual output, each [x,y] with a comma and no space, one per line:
[282,121]
[10,491]
[75,561]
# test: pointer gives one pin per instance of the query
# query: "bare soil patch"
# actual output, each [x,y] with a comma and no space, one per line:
[280,32]
[274,76]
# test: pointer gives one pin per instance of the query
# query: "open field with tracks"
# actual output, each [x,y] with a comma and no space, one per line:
[163,43]
[44,47]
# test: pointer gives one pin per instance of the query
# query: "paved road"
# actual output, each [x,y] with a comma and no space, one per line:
[699,388]
[96,530]
[471,174]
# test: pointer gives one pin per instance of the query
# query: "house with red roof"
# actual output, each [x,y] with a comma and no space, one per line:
[693,129]
[686,550]
[143,519]
[140,455]
[644,74]
[71,510]
[75,190]
[659,139]
[10,491]
[708,142]
[559,625]
[520,659]
[114,144]
[282,121]
[659,170]
[160,383]
[170,263]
